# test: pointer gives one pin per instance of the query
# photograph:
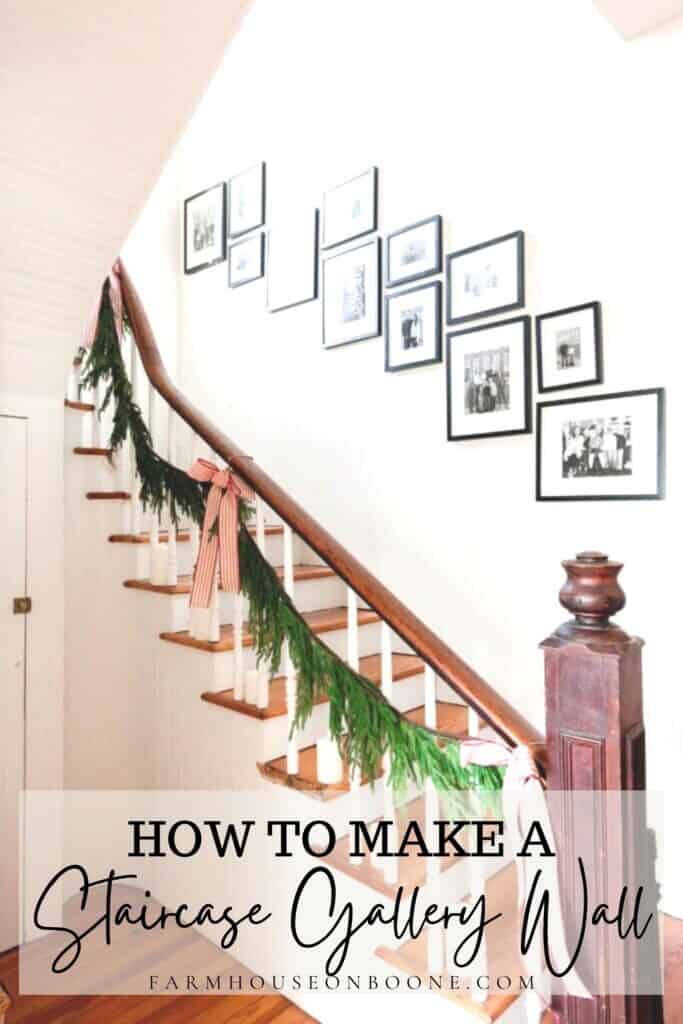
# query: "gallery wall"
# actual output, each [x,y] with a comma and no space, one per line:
[530,116]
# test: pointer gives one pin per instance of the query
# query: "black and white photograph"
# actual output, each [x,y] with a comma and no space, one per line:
[597,448]
[414,252]
[292,261]
[569,347]
[247,200]
[350,209]
[413,327]
[204,229]
[485,279]
[351,295]
[488,380]
[245,261]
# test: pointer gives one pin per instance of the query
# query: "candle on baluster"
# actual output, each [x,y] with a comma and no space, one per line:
[329,763]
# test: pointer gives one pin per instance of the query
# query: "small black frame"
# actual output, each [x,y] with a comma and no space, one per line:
[660,492]
[236,245]
[495,310]
[438,263]
[526,429]
[221,257]
[316,250]
[375,208]
[597,328]
[262,218]
[436,285]
[340,255]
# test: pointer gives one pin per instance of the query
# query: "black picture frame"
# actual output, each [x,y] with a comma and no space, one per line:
[221,234]
[259,223]
[520,300]
[326,244]
[315,279]
[434,286]
[377,325]
[250,239]
[437,267]
[526,379]
[598,377]
[660,490]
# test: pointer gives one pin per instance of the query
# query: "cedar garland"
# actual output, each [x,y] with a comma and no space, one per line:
[363,723]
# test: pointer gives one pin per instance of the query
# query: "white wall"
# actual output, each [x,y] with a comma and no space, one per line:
[499,116]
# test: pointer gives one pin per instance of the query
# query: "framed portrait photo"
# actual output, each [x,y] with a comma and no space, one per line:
[485,279]
[414,252]
[351,295]
[350,209]
[412,327]
[569,347]
[602,447]
[247,200]
[245,261]
[292,262]
[488,380]
[204,229]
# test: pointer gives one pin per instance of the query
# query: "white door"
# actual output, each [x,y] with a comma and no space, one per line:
[13,503]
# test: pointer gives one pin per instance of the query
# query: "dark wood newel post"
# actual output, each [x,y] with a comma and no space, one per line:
[596,741]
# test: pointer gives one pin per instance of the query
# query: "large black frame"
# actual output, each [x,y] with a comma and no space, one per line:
[438,319]
[340,255]
[262,221]
[494,310]
[661,468]
[236,245]
[597,329]
[218,259]
[527,428]
[438,264]
[316,250]
[375,209]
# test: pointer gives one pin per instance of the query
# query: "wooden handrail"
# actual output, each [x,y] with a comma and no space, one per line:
[448,665]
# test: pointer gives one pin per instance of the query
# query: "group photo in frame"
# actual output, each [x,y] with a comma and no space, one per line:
[414,252]
[601,447]
[247,200]
[569,347]
[350,209]
[485,279]
[204,229]
[352,287]
[488,380]
[292,275]
[412,327]
[246,260]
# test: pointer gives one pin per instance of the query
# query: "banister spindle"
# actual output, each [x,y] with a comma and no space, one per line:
[156,555]
[135,525]
[172,545]
[290,677]
[353,660]
[389,865]
[262,687]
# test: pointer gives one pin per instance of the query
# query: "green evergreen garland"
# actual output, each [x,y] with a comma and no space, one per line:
[363,723]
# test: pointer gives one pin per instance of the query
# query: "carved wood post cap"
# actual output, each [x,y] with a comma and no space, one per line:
[592,591]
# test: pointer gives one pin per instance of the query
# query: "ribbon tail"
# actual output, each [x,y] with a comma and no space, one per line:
[228,530]
[205,569]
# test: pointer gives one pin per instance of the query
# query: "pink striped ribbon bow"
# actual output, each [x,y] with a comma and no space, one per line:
[220,546]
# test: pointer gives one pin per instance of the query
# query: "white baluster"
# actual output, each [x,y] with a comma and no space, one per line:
[195,533]
[157,554]
[172,546]
[72,382]
[353,661]
[238,650]
[97,426]
[430,698]
[435,934]
[134,487]
[389,865]
[472,722]
[214,612]
[263,687]
[290,676]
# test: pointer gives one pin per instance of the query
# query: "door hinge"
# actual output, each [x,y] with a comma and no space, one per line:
[22,605]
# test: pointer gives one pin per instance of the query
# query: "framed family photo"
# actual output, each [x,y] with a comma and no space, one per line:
[247,200]
[485,279]
[412,326]
[246,261]
[350,209]
[601,448]
[414,252]
[569,347]
[351,295]
[292,262]
[488,380]
[204,229]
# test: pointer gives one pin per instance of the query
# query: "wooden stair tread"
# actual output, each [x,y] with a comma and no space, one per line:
[184,584]
[81,450]
[451,718]
[79,406]
[108,496]
[404,666]
[324,621]
[182,536]
[503,957]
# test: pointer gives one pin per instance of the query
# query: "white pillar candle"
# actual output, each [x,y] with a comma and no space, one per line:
[251,686]
[158,564]
[329,763]
[263,688]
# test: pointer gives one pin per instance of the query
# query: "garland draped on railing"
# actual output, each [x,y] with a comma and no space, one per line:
[362,722]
